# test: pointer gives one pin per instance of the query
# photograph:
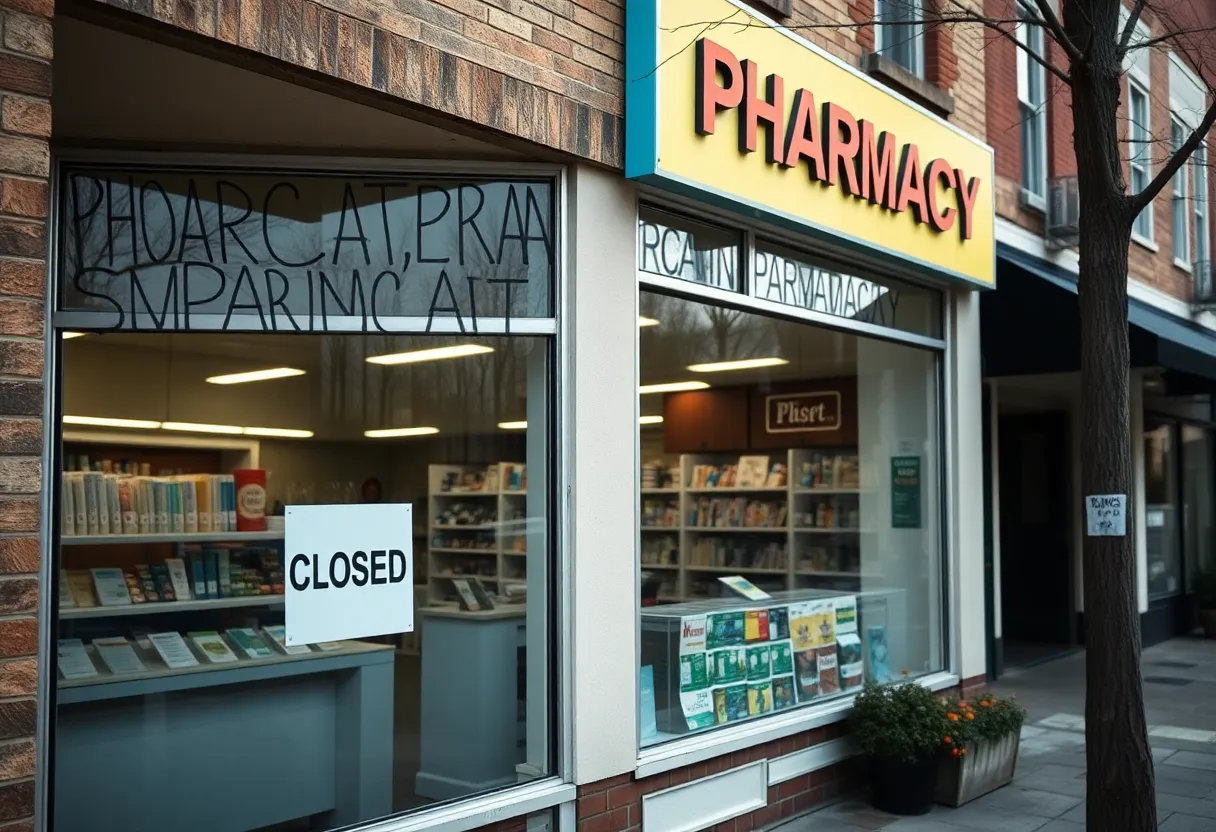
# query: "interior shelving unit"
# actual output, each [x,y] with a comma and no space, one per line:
[477,526]
[798,528]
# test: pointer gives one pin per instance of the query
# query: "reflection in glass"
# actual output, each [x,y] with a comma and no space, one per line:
[156,248]
[809,466]
[335,733]
[1161,509]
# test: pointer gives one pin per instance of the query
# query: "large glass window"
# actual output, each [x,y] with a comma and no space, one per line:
[791,517]
[1178,208]
[184,452]
[1161,511]
[1198,500]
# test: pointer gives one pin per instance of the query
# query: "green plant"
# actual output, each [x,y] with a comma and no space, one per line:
[988,717]
[904,721]
[1205,588]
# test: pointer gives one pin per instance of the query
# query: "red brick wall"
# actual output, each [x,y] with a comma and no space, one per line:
[615,805]
[25,127]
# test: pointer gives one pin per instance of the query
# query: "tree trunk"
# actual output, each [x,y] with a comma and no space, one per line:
[1119,787]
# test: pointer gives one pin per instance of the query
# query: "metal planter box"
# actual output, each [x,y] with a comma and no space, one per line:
[987,766]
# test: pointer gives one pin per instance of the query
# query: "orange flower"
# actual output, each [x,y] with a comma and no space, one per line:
[970,716]
[947,739]
[952,717]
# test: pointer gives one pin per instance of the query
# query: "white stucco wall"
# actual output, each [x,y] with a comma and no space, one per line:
[601,391]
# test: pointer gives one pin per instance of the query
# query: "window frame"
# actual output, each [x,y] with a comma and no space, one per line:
[1200,218]
[1180,217]
[916,45]
[704,745]
[1030,37]
[1139,160]
[556,791]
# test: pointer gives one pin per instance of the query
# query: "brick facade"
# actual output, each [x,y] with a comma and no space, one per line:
[26,49]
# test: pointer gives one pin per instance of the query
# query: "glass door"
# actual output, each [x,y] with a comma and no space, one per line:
[1161,487]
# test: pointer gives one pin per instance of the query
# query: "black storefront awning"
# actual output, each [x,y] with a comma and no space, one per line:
[1030,325]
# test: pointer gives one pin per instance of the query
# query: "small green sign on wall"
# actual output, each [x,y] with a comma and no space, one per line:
[905,492]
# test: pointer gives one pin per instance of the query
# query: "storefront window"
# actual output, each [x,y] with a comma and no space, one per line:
[1198,501]
[791,516]
[1161,508]
[175,670]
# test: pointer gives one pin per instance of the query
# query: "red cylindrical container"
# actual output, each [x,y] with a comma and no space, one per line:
[250,499]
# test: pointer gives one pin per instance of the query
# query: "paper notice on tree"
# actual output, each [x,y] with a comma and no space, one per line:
[1106,515]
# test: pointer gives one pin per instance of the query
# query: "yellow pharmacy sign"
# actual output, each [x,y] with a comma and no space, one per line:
[725,106]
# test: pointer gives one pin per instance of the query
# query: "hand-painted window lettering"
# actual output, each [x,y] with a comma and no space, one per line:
[157,249]
[671,246]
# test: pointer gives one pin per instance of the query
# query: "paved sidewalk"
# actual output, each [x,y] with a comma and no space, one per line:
[1048,793]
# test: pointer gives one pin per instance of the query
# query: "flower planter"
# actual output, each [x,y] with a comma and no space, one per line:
[903,788]
[988,765]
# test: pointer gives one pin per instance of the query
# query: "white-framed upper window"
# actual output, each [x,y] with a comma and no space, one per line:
[900,34]
[1137,65]
[1199,163]
[1179,213]
[1032,110]
[1140,143]
[1188,102]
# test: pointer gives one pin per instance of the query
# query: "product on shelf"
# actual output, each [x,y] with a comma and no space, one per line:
[657,474]
[278,634]
[829,471]
[173,650]
[722,553]
[111,587]
[660,550]
[250,643]
[118,655]
[736,512]
[100,503]
[660,513]
[73,660]
[466,514]
[212,646]
[80,585]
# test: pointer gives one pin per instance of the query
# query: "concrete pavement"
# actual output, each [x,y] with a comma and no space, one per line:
[1048,793]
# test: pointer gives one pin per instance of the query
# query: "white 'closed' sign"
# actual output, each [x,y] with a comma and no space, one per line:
[349,571]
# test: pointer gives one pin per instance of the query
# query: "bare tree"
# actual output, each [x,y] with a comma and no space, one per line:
[1094,40]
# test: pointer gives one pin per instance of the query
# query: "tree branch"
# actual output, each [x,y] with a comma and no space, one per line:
[1130,28]
[1138,202]
[1053,25]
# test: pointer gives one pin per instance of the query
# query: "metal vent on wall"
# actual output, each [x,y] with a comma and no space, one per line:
[1063,212]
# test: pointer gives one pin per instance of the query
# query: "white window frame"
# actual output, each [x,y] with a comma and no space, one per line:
[882,33]
[1202,220]
[1032,114]
[1137,63]
[1140,161]
[1180,215]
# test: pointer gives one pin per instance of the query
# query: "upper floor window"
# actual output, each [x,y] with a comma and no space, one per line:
[900,34]
[1178,207]
[1199,162]
[1139,136]
[1032,110]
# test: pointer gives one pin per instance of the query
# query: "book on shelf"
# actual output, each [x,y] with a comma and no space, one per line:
[278,634]
[172,650]
[80,584]
[736,512]
[212,646]
[98,503]
[111,587]
[73,660]
[250,643]
[753,471]
[118,655]
[67,601]
[178,577]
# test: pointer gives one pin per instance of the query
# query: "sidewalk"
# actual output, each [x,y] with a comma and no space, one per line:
[1048,794]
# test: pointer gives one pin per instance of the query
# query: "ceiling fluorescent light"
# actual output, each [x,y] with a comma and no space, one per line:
[389,433]
[67,335]
[650,420]
[513,425]
[286,433]
[198,427]
[742,364]
[644,321]
[102,422]
[256,375]
[436,354]
[672,387]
